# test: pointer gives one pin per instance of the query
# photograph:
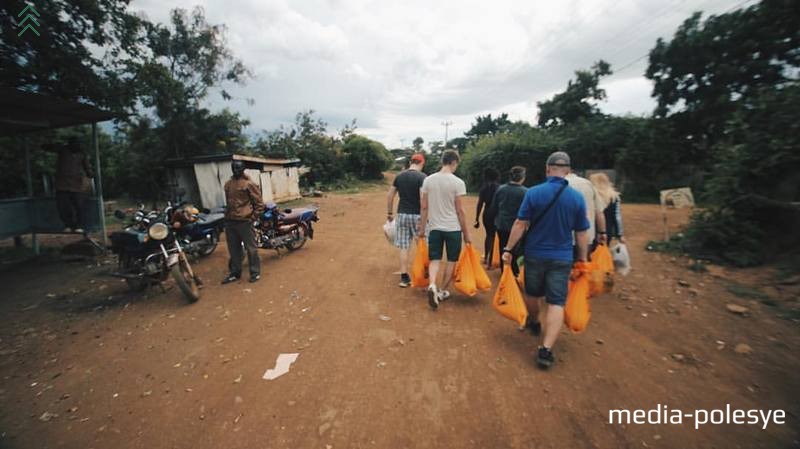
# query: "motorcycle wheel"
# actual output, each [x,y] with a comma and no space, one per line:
[185,281]
[207,249]
[299,237]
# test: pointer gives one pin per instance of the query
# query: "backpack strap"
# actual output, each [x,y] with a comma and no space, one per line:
[549,206]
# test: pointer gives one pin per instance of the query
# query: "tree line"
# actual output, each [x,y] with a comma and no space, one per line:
[726,124]
[726,121]
[156,77]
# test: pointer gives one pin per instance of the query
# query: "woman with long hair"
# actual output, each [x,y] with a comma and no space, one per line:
[613,211]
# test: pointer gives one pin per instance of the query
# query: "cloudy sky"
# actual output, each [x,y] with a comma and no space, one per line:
[402,68]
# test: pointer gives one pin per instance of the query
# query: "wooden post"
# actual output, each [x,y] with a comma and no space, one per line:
[29,186]
[98,181]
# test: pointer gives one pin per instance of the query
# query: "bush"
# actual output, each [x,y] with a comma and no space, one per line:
[503,151]
[754,187]
[365,158]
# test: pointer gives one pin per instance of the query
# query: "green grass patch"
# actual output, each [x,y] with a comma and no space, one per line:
[698,267]
[350,187]
[675,245]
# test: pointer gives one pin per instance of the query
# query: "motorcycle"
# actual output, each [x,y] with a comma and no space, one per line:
[288,228]
[148,252]
[197,231]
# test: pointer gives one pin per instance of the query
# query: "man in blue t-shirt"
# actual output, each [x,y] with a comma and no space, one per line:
[550,212]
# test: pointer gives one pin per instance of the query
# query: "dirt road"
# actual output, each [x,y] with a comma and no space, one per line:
[83,364]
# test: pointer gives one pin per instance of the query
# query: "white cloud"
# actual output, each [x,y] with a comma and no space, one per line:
[401,68]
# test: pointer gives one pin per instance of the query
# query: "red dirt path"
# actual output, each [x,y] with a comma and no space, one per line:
[127,371]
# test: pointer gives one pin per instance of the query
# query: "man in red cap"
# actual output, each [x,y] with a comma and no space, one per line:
[407,184]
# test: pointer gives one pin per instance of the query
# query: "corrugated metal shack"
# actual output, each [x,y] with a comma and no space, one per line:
[201,179]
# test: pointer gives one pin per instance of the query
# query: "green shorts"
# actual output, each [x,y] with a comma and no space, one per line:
[437,240]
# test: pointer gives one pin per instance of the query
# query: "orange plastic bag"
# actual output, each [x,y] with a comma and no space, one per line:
[496,252]
[576,311]
[419,269]
[508,298]
[601,271]
[482,281]
[521,277]
[463,274]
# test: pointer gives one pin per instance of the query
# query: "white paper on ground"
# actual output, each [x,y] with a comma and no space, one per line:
[281,366]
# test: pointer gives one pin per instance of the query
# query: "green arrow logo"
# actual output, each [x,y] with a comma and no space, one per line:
[30,17]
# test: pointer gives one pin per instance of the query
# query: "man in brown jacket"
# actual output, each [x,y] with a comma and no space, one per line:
[243,206]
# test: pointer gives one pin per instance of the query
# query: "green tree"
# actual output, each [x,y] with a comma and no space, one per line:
[710,66]
[753,197]
[365,158]
[578,101]
[417,143]
[84,51]
[187,59]
[487,126]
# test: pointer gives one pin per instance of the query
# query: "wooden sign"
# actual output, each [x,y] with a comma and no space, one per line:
[674,199]
[677,198]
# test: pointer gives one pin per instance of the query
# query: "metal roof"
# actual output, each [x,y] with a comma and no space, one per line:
[229,157]
[23,112]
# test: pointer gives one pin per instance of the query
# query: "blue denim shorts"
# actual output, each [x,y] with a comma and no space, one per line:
[548,278]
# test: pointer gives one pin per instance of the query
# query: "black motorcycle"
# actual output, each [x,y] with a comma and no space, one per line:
[148,253]
[197,231]
[288,228]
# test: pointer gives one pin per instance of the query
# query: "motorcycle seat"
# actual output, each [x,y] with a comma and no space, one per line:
[295,215]
[210,218]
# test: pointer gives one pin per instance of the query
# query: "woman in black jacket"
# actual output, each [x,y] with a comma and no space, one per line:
[490,185]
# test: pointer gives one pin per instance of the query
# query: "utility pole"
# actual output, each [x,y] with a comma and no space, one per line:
[446,125]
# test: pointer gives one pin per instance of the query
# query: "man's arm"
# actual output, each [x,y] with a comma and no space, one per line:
[255,198]
[599,219]
[390,202]
[618,217]
[582,241]
[517,231]
[423,212]
[600,228]
[462,219]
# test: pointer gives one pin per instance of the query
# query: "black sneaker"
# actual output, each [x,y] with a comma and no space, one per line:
[230,278]
[534,326]
[254,277]
[405,280]
[545,358]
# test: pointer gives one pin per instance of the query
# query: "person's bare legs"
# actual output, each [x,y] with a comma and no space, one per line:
[447,278]
[554,317]
[433,271]
[404,260]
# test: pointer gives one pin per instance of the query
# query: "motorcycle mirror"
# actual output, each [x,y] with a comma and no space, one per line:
[119,214]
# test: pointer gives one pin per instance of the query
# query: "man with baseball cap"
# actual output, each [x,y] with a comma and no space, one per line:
[550,212]
[407,184]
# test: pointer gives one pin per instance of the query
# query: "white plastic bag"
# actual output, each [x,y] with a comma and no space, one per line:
[622,259]
[389,231]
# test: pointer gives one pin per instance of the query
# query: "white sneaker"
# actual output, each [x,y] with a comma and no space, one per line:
[433,297]
[444,295]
